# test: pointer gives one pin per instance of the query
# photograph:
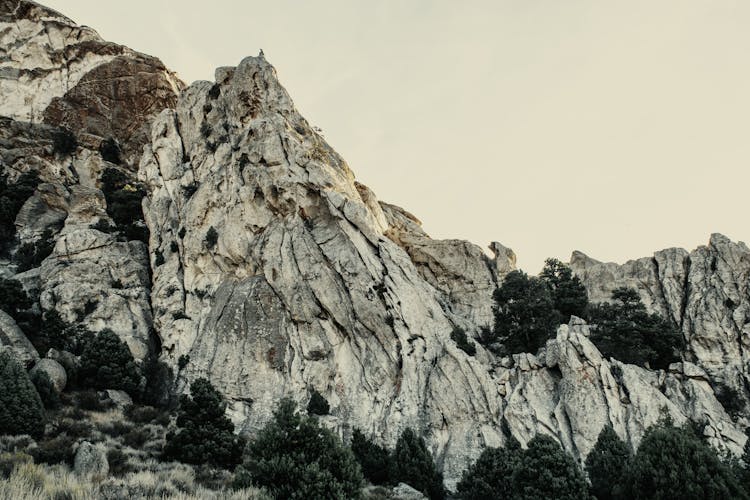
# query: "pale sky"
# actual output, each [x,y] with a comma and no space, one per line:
[612,127]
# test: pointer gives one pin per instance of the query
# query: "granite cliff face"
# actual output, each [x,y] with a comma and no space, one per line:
[705,292]
[278,274]
[55,74]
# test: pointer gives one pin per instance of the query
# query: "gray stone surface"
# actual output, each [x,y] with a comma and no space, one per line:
[313,283]
[91,460]
[54,371]
[17,343]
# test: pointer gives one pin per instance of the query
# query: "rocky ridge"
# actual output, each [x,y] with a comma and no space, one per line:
[278,274]
[57,75]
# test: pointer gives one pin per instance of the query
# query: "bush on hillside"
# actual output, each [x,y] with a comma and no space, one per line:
[107,363]
[204,434]
[525,315]
[21,409]
[568,293]
[294,457]
[605,465]
[374,460]
[412,463]
[624,330]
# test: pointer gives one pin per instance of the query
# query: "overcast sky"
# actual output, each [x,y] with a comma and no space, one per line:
[614,128]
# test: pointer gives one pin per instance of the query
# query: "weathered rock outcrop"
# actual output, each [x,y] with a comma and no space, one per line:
[278,277]
[279,274]
[13,338]
[54,370]
[91,460]
[54,73]
[705,292]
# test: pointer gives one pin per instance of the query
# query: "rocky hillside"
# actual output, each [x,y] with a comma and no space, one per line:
[272,272]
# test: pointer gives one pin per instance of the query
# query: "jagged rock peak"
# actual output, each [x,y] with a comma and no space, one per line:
[281,274]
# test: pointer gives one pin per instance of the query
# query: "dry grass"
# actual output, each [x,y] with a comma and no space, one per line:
[29,481]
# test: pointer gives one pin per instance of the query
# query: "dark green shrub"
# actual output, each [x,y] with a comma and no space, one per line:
[116,429]
[183,361]
[412,463]
[568,293]
[118,462]
[53,333]
[459,337]
[190,189]
[626,331]
[673,463]
[64,142]
[205,434]
[211,237]
[89,400]
[110,150]
[106,363]
[159,379]
[525,316]
[729,398]
[293,457]
[491,476]
[136,438]
[13,298]
[12,198]
[606,463]
[21,409]
[546,471]
[124,197]
[73,428]
[54,451]
[142,414]
[543,470]
[49,396]
[31,255]
[104,226]
[158,258]
[374,459]
[318,404]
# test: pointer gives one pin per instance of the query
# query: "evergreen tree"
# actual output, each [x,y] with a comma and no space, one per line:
[317,404]
[605,464]
[21,410]
[568,293]
[12,198]
[744,471]
[673,463]
[412,464]
[491,476]
[546,471]
[525,316]
[293,457]
[46,389]
[627,332]
[107,363]
[373,458]
[205,435]
[13,298]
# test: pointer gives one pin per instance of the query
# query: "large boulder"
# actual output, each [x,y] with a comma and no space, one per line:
[91,460]
[54,370]
[16,342]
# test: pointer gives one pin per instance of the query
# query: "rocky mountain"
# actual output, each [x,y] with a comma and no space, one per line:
[271,271]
